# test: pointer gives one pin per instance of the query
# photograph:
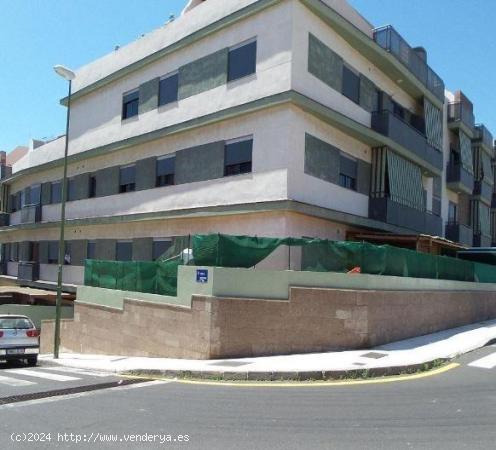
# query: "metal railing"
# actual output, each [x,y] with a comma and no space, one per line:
[458,112]
[484,135]
[390,40]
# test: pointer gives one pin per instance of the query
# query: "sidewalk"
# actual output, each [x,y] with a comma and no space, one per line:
[392,359]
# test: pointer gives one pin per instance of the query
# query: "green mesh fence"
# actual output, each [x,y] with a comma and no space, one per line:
[317,255]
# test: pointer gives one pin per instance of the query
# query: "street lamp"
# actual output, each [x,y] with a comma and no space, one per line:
[68,75]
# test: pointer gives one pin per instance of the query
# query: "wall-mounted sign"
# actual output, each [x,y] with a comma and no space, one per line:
[202,276]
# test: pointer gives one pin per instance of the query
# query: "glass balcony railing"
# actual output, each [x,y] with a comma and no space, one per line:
[390,125]
[462,234]
[390,40]
[458,112]
[484,135]
[458,177]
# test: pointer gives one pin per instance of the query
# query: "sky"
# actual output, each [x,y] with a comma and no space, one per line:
[37,34]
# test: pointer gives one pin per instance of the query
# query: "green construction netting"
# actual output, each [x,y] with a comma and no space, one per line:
[317,255]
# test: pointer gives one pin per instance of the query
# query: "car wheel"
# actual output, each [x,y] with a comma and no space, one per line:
[32,360]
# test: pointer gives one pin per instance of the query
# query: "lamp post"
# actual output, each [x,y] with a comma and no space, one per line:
[68,75]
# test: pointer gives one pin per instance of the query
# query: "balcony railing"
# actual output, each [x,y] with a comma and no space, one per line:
[458,178]
[481,240]
[388,124]
[484,135]
[28,271]
[31,214]
[462,234]
[458,112]
[386,210]
[389,39]
[484,190]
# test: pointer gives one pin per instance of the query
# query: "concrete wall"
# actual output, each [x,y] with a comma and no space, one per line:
[312,320]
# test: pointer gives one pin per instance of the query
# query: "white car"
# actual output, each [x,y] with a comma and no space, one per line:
[19,339]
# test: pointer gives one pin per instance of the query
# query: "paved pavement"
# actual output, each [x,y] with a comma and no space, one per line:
[450,411]
[388,359]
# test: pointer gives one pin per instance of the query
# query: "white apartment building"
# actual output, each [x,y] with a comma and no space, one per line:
[257,117]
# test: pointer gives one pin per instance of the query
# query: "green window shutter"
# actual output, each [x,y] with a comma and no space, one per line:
[46,193]
[363,177]
[105,249]
[321,159]
[324,64]
[81,186]
[484,220]
[466,152]
[405,182]
[203,74]
[146,173]
[368,94]
[143,249]
[25,250]
[107,181]
[487,168]
[43,249]
[433,125]
[148,95]
[78,252]
[205,162]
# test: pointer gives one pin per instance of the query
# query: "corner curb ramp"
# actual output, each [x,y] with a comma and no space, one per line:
[318,375]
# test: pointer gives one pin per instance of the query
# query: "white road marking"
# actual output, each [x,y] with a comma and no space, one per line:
[37,374]
[78,371]
[488,362]
[14,381]
[83,394]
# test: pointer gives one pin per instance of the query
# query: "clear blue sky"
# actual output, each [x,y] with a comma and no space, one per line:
[37,34]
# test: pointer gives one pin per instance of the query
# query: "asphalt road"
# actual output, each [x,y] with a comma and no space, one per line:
[452,410]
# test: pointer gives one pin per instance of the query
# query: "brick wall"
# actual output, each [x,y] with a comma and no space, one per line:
[313,320]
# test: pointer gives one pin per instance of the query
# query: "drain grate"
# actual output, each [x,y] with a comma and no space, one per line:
[67,391]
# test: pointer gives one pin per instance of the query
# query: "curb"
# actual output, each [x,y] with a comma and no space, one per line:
[320,375]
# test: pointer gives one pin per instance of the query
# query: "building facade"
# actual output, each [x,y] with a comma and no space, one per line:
[259,117]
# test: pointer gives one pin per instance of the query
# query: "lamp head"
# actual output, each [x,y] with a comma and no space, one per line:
[64,72]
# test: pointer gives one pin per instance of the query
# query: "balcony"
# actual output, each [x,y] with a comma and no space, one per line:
[459,179]
[462,234]
[404,134]
[386,210]
[484,191]
[28,271]
[31,214]
[483,135]
[390,40]
[481,240]
[458,113]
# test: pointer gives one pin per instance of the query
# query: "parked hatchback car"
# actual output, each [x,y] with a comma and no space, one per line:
[19,339]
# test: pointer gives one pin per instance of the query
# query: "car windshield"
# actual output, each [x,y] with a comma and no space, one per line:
[15,322]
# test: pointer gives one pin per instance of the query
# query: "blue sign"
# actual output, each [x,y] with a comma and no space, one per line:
[202,276]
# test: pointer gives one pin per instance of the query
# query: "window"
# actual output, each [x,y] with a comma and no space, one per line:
[124,251]
[53,252]
[24,198]
[35,195]
[238,157]
[347,172]
[130,105]
[398,110]
[92,189]
[160,246]
[165,171]
[56,192]
[14,252]
[127,179]
[351,84]
[242,60]
[168,89]
[67,254]
[91,250]
[452,212]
